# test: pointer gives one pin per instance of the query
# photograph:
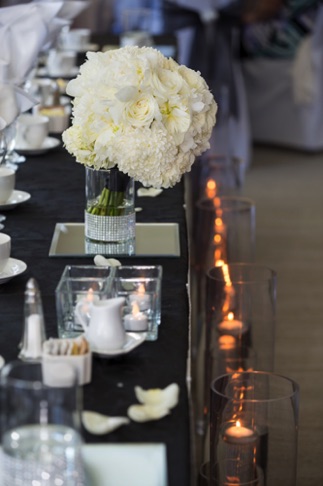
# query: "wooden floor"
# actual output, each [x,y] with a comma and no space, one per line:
[287,187]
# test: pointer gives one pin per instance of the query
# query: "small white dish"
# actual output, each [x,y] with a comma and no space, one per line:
[17,197]
[133,339]
[2,361]
[49,143]
[12,269]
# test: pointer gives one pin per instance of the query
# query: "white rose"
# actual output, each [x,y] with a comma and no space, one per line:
[166,83]
[141,111]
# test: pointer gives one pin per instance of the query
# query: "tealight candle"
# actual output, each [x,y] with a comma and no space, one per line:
[237,434]
[136,321]
[232,326]
[141,297]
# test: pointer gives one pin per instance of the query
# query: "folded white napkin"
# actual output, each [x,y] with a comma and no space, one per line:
[68,9]
[23,32]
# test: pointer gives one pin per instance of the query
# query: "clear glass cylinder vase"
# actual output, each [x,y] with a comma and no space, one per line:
[110,220]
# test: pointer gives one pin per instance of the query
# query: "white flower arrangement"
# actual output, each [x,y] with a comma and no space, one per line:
[141,112]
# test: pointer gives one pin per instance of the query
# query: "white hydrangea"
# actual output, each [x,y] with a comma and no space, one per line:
[135,109]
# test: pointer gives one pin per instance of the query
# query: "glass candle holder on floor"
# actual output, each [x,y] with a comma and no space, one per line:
[141,287]
[253,429]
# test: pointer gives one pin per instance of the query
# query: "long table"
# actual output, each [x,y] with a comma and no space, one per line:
[56,185]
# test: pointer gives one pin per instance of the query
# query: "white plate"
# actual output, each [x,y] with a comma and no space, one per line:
[1,362]
[17,197]
[133,339]
[49,143]
[126,464]
[12,269]
[67,74]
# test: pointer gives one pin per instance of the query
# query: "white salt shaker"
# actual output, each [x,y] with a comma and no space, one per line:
[34,326]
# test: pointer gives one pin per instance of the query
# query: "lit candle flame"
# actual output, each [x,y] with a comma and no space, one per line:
[141,289]
[90,295]
[135,308]
[210,189]
[230,316]
[238,424]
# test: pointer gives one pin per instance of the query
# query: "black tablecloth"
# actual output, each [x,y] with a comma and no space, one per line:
[56,184]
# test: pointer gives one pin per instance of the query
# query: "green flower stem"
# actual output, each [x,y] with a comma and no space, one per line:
[108,204]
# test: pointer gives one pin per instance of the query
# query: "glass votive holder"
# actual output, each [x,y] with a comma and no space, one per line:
[141,287]
[80,283]
[253,428]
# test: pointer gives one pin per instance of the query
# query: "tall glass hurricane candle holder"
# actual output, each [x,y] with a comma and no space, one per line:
[225,233]
[225,230]
[41,438]
[141,287]
[241,305]
[110,212]
[253,429]
[220,176]
[239,330]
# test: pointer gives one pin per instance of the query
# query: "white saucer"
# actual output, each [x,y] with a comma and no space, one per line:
[17,197]
[67,74]
[1,362]
[133,339]
[12,269]
[49,143]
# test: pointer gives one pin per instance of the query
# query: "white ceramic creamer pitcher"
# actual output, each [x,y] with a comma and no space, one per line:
[105,330]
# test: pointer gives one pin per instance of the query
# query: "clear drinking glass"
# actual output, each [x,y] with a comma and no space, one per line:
[253,429]
[41,438]
[12,157]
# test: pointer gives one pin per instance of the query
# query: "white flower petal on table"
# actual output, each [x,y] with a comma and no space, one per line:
[99,424]
[144,413]
[148,192]
[101,261]
[167,397]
